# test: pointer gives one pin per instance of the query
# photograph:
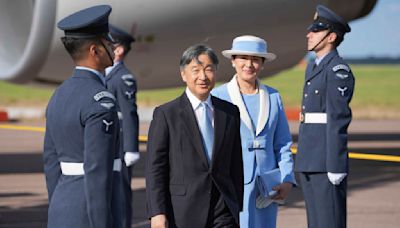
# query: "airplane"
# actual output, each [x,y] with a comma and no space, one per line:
[31,50]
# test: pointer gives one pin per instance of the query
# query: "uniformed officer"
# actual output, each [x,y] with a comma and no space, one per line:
[322,158]
[81,139]
[122,83]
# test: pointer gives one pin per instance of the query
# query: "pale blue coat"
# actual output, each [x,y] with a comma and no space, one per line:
[264,148]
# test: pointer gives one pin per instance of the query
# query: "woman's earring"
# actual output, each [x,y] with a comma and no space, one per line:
[233,65]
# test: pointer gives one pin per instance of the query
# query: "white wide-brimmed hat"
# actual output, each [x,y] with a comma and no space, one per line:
[249,45]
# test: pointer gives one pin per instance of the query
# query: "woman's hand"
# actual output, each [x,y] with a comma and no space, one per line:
[282,190]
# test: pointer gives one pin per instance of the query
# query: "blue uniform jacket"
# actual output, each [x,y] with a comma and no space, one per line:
[81,127]
[122,84]
[328,88]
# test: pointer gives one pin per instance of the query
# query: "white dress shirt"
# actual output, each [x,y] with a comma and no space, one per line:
[196,104]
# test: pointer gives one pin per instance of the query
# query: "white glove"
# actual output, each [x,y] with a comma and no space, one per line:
[131,158]
[263,202]
[336,178]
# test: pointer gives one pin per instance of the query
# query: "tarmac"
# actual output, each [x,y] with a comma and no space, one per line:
[373,186]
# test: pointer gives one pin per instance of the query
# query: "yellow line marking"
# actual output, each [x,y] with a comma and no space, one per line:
[22,128]
[374,157]
[144,138]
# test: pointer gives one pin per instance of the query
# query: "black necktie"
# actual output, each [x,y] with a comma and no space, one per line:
[314,66]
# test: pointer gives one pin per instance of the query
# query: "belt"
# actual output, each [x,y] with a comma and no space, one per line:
[313,117]
[76,168]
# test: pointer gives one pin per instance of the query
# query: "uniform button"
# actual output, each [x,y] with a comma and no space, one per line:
[308,83]
[305,95]
[316,91]
[303,107]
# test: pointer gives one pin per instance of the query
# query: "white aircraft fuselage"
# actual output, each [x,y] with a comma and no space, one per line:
[31,50]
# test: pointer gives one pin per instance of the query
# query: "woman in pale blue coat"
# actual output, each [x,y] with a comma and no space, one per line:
[265,135]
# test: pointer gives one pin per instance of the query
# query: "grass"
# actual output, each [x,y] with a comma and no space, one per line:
[22,95]
[377,91]
[158,96]
[289,83]
[377,86]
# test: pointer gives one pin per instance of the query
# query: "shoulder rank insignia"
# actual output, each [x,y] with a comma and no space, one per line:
[127,77]
[341,67]
[128,83]
[103,94]
[342,76]
[107,105]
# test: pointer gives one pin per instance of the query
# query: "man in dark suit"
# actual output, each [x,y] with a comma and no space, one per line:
[322,158]
[194,175]
[81,140]
[122,83]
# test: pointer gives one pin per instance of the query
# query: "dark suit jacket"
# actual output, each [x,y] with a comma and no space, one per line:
[178,177]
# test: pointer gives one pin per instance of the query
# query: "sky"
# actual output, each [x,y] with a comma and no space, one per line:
[375,35]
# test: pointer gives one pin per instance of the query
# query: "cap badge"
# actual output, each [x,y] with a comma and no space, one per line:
[315,15]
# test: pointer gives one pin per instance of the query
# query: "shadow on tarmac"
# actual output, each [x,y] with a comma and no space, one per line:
[363,174]
[31,162]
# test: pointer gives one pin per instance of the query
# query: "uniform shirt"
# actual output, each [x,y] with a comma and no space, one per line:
[319,59]
[97,73]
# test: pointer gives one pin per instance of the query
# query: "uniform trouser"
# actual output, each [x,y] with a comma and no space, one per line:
[325,202]
[128,193]
[119,201]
